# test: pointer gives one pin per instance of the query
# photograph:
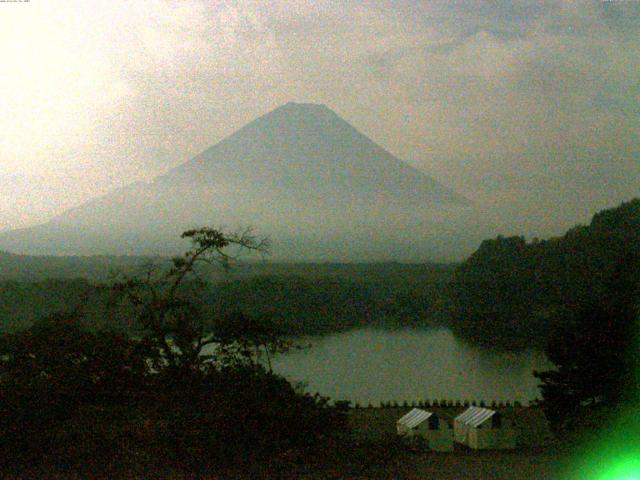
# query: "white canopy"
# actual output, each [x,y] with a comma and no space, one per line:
[414,418]
[474,416]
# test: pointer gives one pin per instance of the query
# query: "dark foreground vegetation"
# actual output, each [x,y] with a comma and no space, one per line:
[104,404]
[87,404]
[117,385]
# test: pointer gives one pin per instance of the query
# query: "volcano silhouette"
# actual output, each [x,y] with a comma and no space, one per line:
[299,174]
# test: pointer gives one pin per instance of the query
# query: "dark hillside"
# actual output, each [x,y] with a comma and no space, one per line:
[509,292]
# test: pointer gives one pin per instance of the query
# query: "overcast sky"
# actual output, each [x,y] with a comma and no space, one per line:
[530,109]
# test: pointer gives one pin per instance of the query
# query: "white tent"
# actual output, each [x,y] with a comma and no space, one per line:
[482,428]
[419,423]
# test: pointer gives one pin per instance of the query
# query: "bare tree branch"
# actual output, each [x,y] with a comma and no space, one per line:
[170,319]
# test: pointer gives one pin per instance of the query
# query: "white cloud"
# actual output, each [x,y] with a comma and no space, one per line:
[55,82]
[465,90]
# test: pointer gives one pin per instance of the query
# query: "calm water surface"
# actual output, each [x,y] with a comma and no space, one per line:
[370,365]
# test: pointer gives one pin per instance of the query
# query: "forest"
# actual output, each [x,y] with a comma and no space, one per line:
[509,294]
[107,373]
[301,299]
[512,293]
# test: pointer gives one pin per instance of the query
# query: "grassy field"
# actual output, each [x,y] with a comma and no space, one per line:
[530,464]
[537,456]
[373,451]
[377,453]
[379,424]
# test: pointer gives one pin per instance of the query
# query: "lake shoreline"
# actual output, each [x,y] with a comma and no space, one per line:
[374,366]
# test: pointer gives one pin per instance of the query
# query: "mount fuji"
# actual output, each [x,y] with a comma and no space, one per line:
[301,175]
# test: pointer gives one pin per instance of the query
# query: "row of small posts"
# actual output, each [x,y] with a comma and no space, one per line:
[433,403]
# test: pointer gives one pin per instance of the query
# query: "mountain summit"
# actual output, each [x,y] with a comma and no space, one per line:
[299,174]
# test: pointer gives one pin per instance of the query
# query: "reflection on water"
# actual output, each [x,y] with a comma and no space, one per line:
[370,366]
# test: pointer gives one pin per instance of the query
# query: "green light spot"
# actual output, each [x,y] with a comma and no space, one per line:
[627,469]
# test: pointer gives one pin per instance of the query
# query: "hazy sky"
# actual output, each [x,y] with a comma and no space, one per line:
[531,109]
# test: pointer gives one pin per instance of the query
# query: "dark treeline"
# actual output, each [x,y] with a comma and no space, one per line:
[101,268]
[23,303]
[322,305]
[29,268]
[508,294]
[319,299]
[511,293]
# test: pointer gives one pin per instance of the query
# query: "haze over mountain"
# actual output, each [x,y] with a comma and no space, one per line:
[530,109]
[299,174]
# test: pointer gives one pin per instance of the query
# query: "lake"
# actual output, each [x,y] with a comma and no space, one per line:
[370,365]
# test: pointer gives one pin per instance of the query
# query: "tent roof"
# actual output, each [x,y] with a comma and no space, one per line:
[475,416]
[415,417]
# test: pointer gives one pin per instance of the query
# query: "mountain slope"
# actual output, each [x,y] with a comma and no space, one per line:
[299,174]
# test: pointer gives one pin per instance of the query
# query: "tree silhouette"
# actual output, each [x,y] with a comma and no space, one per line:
[163,299]
[596,354]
